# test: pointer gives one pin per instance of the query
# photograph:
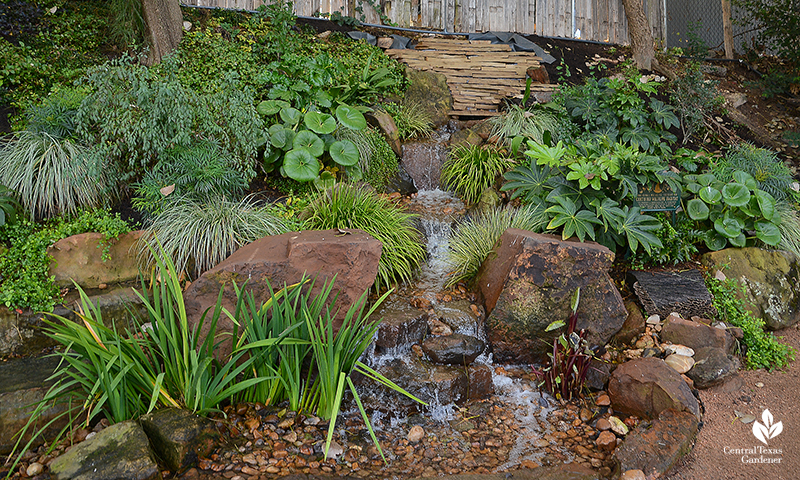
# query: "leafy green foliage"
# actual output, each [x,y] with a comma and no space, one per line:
[789,227]
[769,171]
[411,119]
[56,114]
[565,372]
[778,26]
[471,169]
[10,207]
[51,174]
[763,350]
[347,206]
[730,211]
[587,190]
[678,243]
[529,123]
[199,172]
[126,23]
[152,114]
[26,280]
[622,109]
[474,239]
[694,98]
[377,160]
[202,233]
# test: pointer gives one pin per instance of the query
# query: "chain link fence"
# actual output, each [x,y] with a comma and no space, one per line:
[697,24]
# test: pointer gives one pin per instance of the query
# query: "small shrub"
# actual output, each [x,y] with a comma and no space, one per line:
[777,26]
[410,119]
[475,238]
[204,233]
[769,171]
[678,243]
[789,227]
[376,158]
[529,123]
[348,206]
[10,208]
[694,98]
[56,114]
[52,175]
[471,169]
[199,172]
[763,350]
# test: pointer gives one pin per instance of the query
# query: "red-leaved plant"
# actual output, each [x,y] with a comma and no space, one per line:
[565,373]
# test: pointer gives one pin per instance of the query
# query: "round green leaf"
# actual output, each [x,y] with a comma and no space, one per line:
[710,195]
[271,107]
[275,127]
[738,241]
[291,116]
[282,139]
[350,117]
[768,233]
[319,122]
[715,242]
[325,180]
[728,227]
[697,209]
[745,179]
[300,165]
[308,140]
[766,203]
[354,173]
[344,152]
[736,194]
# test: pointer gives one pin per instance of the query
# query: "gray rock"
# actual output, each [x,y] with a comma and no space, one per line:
[23,384]
[647,386]
[401,182]
[401,325]
[770,279]
[120,451]
[655,447]
[455,349]
[384,121]
[283,260]
[528,283]
[179,437]
[712,367]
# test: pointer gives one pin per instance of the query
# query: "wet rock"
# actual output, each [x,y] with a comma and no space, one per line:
[23,383]
[567,471]
[647,386]
[603,424]
[119,451]
[80,258]
[529,283]
[673,432]
[455,349]
[633,327]
[461,316]
[598,375]
[180,437]
[633,475]
[712,367]
[679,363]
[416,434]
[283,260]
[440,383]
[606,441]
[34,469]
[489,200]
[770,279]
[481,384]
[402,325]
[695,335]
[618,426]
[430,90]
[381,119]
[439,328]
[401,182]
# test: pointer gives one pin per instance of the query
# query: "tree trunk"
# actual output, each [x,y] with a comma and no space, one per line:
[640,35]
[164,27]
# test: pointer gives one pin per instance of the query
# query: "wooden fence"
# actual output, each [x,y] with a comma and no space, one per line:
[601,20]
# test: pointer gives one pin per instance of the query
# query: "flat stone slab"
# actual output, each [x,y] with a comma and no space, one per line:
[662,293]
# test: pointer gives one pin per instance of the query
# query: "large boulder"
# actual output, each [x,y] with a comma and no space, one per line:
[119,451]
[770,279]
[351,256]
[645,387]
[527,284]
[90,261]
[655,447]
[430,91]
[180,437]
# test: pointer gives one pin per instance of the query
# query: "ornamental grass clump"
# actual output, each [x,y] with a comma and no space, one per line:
[471,169]
[348,206]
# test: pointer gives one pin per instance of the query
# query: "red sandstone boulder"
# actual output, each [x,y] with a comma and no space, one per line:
[655,447]
[647,386]
[527,284]
[283,260]
[695,335]
[79,258]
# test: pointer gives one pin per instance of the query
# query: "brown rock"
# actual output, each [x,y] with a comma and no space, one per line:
[603,400]
[645,387]
[695,335]
[603,425]
[283,260]
[673,431]
[633,327]
[529,282]
[538,74]
[79,258]
[385,42]
[606,441]
[180,437]
[381,119]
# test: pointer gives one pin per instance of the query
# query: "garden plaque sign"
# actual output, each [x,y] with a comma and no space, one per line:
[659,197]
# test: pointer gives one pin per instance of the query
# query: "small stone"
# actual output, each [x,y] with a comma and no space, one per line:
[34,469]
[618,426]
[603,425]
[645,342]
[680,363]
[653,320]
[633,475]
[759,385]
[586,414]
[680,350]
[603,400]
[103,286]
[606,441]
[286,423]
[439,328]
[416,434]
[248,470]
[250,458]
[291,437]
